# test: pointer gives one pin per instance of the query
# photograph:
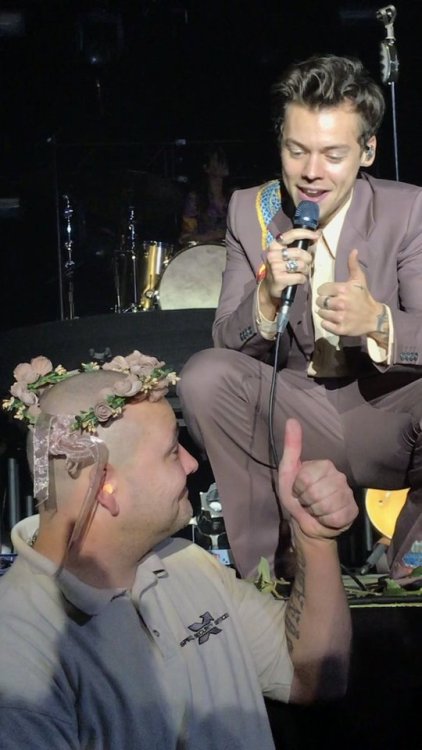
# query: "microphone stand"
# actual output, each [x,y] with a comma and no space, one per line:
[390,68]
[69,266]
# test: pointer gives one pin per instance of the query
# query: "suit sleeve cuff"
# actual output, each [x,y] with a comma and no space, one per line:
[267,328]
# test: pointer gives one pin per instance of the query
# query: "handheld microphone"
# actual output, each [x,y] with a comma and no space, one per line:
[306,217]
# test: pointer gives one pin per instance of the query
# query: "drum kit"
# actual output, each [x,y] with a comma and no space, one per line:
[148,275]
[151,275]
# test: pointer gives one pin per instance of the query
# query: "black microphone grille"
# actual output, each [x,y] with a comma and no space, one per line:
[306,215]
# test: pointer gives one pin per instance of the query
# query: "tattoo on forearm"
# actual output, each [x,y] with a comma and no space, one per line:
[382,332]
[296,603]
[382,319]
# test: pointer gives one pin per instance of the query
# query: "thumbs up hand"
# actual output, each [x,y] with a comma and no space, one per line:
[313,494]
[348,308]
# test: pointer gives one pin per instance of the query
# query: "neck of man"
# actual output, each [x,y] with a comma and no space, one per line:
[100,560]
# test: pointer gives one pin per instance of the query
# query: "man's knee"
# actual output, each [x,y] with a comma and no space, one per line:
[204,374]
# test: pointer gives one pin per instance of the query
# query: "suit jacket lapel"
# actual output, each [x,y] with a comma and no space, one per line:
[279,223]
[357,229]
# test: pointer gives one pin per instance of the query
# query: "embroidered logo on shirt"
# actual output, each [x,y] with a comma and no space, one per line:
[202,630]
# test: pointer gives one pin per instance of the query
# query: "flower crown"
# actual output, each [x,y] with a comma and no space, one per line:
[145,377]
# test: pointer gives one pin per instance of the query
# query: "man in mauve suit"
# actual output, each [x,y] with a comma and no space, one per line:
[349,359]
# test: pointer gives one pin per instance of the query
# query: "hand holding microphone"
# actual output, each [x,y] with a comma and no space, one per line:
[306,217]
[288,261]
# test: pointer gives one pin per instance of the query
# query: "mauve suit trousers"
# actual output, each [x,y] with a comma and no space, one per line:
[225,400]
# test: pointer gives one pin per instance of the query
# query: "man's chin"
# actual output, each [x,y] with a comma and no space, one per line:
[185,513]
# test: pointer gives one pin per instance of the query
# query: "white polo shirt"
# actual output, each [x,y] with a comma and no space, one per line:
[181,661]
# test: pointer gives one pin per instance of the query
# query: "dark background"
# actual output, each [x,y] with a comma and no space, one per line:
[113,104]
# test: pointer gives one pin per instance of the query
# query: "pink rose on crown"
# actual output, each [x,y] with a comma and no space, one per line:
[118,364]
[19,390]
[141,364]
[142,371]
[103,411]
[128,387]
[41,365]
[24,373]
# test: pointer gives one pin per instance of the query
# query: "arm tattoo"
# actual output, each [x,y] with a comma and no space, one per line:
[382,320]
[296,603]
[380,335]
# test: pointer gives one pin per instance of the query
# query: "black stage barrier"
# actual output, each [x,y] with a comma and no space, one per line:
[383,705]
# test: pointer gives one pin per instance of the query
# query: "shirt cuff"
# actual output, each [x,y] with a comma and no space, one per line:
[380,354]
[267,328]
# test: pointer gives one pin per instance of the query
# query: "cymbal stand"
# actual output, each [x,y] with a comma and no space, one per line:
[132,251]
[390,68]
[69,266]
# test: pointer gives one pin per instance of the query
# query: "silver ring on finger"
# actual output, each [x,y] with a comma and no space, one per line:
[285,253]
[292,266]
[325,303]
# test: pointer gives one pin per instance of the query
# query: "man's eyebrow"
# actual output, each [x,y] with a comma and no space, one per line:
[175,438]
[331,147]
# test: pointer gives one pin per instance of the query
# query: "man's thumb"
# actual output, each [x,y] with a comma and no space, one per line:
[290,462]
[355,271]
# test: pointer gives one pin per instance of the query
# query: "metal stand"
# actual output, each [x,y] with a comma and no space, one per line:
[390,68]
[69,266]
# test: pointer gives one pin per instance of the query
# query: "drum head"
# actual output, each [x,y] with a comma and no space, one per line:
[193,278]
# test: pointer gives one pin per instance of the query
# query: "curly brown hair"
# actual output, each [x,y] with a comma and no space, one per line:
[329,81]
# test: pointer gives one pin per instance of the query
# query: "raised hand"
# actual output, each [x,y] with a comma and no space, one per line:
[348,308]
[313,493]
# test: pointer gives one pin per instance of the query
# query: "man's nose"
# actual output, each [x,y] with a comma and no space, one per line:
[312,167]
[190,464]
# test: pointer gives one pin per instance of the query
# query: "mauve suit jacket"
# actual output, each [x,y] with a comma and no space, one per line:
[384,222]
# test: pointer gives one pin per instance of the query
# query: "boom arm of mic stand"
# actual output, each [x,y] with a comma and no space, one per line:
[390,68]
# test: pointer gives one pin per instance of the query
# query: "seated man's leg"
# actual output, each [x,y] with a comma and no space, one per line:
[225,398]
[397,463]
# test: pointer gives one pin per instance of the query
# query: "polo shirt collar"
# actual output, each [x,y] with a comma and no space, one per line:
[88,599]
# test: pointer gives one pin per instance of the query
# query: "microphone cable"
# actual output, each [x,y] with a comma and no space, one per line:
[306,216]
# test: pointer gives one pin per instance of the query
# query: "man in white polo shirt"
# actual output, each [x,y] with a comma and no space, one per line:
[115,636]
[349,363]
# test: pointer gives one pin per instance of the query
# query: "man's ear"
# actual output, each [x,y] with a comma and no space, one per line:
[107,494]
[368,155]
